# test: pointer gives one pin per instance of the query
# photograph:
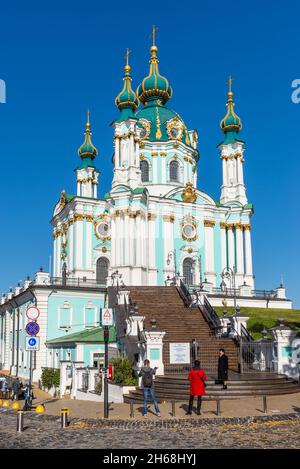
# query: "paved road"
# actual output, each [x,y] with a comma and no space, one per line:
[44,432]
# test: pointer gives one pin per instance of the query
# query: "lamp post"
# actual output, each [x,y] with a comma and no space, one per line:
[229,274]
[172,256]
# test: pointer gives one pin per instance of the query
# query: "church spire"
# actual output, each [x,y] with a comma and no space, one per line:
[154,87]
[126,100]
[87,149]
[231,124]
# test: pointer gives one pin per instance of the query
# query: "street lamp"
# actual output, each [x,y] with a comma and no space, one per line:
[229,274]
[172,256]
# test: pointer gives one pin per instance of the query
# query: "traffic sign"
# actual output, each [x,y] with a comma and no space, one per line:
[32,312]
[32,328]
[107,316]
[32,343]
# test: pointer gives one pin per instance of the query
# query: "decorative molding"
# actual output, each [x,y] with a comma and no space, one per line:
[78,216]
[151,216]
[163,154]
[189,193]
[89,217]
[223,225]
[154,154]
[169,218]
[209,223]
[247,227]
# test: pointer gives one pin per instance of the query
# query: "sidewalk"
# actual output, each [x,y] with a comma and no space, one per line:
[245,407]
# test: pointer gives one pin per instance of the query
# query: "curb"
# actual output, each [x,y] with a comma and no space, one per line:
[167,423]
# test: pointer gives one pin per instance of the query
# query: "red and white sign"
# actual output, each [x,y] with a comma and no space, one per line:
[110,372]
[32,312]
[107,316]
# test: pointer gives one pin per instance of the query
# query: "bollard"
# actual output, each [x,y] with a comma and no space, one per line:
[131,409]
[20,421]
[173,409]
[218,407]
[64,417]
[265,404]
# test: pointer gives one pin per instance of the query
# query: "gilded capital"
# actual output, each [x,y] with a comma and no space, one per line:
[189,193]
[209,223]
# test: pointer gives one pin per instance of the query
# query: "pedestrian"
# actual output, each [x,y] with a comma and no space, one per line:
[16,386]
[147,373]
[197,379]
[223,368]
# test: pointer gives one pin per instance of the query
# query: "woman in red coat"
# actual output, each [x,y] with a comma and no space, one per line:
[197,379]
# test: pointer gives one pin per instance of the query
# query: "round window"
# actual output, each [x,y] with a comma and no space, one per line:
[103,230]
[189,231]
[143,133]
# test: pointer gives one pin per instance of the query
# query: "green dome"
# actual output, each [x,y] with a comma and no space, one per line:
[159,122]
[154,86]
[231,122]
[87,149]
[127,99]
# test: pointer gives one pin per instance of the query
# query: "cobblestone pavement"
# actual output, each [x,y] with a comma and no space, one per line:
[41,431]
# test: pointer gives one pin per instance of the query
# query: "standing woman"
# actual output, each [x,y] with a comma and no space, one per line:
[197,379]
[223,368]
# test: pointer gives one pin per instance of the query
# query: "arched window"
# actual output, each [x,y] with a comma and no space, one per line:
[144,167]
[188,271]
[102,270]
[174,171]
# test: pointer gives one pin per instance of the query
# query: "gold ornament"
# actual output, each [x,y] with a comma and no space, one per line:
[189,193]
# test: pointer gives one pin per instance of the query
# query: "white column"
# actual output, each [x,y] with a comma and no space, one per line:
[127,236]
[168,221]
[117,153]
[224,171]
[131,151]
[132,236]
[138,240]
[54,255]
[154,170]
[95,189]
[71,246]
[88,247]
[122,236]
[6,346]
[230,238]
[163,169]
[248,249]
[239,249]
[117,238]
[78,240]
[209,250]
[78,188]
[58,253]
[113,243]
[151,238]
[223,247]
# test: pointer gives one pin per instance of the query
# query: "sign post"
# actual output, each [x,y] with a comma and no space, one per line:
[32,344]
[106,320]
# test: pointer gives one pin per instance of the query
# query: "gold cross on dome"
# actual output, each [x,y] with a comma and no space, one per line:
[128,53]
[88,116]
[153,34]
[229,82]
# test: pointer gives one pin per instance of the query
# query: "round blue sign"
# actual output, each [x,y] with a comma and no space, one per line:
[32,342]
[32,328]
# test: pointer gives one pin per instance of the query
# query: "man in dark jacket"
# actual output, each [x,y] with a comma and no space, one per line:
[146,373]
[223,368]
[16,386]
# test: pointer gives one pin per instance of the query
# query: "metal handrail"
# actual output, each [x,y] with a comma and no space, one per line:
[211,315]
[184,293]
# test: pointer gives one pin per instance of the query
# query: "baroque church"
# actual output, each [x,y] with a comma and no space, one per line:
[154,222]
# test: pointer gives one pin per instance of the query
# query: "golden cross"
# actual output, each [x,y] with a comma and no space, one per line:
[230,80]
[128,53]
[153,34]
[88,116]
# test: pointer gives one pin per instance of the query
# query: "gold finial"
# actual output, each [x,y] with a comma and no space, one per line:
[153,34]
[229,82]
[127,66]
[88,125]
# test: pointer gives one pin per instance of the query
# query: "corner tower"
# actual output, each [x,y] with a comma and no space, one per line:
[232,155]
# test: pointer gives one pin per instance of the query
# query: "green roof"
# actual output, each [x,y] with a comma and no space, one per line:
[94,335]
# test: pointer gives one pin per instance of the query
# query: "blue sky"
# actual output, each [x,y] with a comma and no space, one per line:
[60,58]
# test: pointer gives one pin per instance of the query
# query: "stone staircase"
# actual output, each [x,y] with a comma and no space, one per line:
[181,324]
[168,388]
